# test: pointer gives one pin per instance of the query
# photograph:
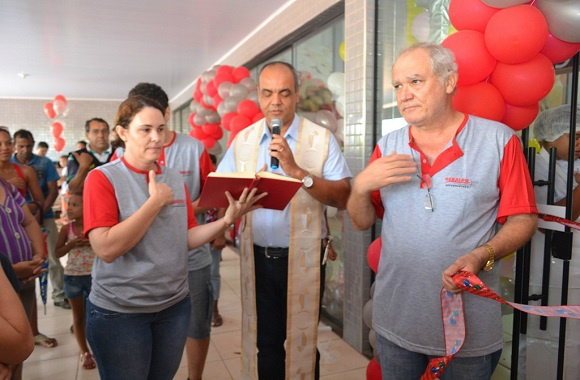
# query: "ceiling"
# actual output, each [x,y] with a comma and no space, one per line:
[100,49]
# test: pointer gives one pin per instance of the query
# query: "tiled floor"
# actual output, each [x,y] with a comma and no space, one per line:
[339,361]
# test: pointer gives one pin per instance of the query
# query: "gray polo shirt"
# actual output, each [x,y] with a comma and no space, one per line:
[480,178]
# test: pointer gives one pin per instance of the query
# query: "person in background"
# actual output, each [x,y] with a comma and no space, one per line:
[281,251]
[96,153]
[216,248]
[41,149]
[140,223]
[21,242]
[191,159]
[77,273]
[454,193]
[63,186]
[47,179]
[81,144]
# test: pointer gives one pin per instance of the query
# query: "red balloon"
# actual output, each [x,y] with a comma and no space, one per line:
[218,134]
[59,144]
[49,110]
[374,370]
[558,51]
[61,98]
[190,120]
[226,120]
[518,118]
[224,69]
[208,142]
[473,60]
[57,129]
[198,95]
[374,254]
[210,129]
[217,99]
[240,73]
[480,99]
[248,108]
[257,117]
[239,122]
[470,14]
[198,133]
[222,77]
[516,34]
[210,89]
[525,83]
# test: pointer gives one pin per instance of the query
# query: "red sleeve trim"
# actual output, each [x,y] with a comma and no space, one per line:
[376,195]
[205,167]
[515,184]
[191,222]
[100,205]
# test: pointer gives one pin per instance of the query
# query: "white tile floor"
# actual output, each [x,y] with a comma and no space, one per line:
[339,361]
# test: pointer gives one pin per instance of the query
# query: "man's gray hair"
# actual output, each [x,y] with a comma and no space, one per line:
[442,59]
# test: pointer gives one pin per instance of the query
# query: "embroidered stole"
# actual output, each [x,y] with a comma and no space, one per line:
[303,257]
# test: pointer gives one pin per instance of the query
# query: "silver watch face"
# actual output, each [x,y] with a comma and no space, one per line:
[307,181]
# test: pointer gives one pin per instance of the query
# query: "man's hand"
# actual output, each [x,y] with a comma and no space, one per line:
[18,182]
[280,149]
[471,262]
[219,243]
[160,192]
[5,371]
[84,159]
[385,171]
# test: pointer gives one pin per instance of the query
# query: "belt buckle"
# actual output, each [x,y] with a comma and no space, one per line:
[268,256]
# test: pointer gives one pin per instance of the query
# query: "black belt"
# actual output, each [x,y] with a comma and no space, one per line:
[271,252]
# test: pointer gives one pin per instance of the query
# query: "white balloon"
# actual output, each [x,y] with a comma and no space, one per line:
[221,109]
[373,339]
[253,96]
[368,314]
[339,104]
[238,90]
[232,103]
[216,149]
[331,212]
[326,119]
[203,112]
[420,27]
[199,119]
[335,83]
[249,83]
[224,89]
[213,118]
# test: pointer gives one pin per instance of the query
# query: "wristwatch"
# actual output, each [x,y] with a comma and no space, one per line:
[307,181]
[491,259]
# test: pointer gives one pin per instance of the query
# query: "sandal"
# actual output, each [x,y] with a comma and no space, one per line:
[217,320]
[87,361]
[43,340]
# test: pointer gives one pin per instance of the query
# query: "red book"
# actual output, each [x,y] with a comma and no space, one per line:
[280,189]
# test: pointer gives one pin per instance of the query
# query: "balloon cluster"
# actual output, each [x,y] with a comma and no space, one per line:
[223,97]
[505,51]
[56,108]
[316,101]
[373,257]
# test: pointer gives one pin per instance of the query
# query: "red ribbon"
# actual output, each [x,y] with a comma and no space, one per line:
[454,322]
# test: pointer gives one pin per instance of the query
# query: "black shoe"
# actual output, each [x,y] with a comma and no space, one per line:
[64,304]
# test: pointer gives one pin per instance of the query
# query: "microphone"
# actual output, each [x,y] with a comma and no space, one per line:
[275,124]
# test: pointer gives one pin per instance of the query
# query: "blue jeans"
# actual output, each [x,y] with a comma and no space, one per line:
[216,258]
[200,296]
[398,363]
[138,346]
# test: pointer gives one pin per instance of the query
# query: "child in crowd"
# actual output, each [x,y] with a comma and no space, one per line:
[77,273]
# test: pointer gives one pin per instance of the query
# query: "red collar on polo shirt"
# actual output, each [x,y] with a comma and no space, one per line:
[444,158]
[139,171]
[162,156]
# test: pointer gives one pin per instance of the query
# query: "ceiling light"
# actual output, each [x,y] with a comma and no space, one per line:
[23,75]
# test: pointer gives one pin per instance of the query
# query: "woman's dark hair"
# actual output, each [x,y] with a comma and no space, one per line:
[131,107]
[5,130]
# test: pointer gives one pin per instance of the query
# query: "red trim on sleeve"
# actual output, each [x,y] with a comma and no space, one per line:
[191,222]
[100,205]
[515,185]
[376,195]
[205,167]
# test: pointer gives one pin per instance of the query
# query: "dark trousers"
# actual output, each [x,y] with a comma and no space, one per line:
[271,297]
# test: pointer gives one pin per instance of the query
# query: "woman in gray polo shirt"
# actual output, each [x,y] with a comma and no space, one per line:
[141,225]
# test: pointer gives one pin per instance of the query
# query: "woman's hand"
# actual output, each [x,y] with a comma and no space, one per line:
[245,204]
[161,192]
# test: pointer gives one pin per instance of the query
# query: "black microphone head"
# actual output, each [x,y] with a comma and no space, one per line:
[276,124]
